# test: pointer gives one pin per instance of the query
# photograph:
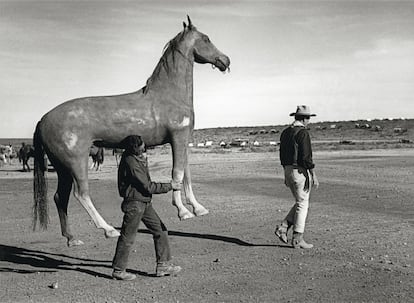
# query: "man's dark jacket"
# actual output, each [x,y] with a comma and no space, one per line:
[134,182]
[295,147]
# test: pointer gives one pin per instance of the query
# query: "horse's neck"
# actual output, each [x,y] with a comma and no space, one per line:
[174,72]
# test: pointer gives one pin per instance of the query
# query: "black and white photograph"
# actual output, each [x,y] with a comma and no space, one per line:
[159,151]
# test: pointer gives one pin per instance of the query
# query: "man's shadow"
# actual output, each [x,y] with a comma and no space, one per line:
[52,262]
[227,239]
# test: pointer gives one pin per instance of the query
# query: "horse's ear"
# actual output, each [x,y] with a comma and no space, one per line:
[190,25]
[185,25]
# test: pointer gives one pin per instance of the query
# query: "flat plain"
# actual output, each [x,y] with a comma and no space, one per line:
[361,221]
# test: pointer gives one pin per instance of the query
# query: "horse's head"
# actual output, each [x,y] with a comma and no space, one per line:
[203,50]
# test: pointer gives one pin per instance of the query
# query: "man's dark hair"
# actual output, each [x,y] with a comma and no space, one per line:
[131,141]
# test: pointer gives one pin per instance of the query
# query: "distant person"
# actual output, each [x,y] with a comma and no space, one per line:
[136,187]
[296,158]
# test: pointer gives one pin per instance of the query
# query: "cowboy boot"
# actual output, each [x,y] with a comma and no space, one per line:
[123,275]
[282,230]
[299,242]
[165,269]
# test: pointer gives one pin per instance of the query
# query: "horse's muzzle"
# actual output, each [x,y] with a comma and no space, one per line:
[222,63]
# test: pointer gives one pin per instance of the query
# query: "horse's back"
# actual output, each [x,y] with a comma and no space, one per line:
[91,118]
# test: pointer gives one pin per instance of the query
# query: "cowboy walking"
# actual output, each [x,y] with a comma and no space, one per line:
[136,187]
[296,158]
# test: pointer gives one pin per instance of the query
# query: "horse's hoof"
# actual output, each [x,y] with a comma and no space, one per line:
[185,216]
[75,242]
[201,212]
[113,233]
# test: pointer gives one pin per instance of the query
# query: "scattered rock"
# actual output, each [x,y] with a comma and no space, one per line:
[54,285]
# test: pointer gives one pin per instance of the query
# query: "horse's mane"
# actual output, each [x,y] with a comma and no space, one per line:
[170,48]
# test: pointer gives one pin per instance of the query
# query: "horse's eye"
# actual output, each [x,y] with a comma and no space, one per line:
[206,39]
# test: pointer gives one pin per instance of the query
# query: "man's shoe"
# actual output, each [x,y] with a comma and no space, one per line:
[164,269]
[298,242]
[281,233]
[123,275]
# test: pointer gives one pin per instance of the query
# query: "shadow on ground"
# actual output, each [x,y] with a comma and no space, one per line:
[215,238]
[51,262]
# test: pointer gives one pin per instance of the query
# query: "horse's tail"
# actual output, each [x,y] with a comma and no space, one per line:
[40,207]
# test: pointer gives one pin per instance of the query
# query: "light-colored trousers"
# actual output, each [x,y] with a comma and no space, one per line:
[299,181]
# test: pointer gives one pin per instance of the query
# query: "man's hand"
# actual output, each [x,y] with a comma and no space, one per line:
[315,182]
[176,185]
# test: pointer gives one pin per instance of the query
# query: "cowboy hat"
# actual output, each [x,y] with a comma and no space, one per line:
[302,110]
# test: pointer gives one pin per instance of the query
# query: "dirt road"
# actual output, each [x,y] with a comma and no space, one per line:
[361,222]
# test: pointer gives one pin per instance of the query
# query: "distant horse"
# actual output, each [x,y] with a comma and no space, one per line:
[97,154]
[161,112]
[7,154]
[25,152]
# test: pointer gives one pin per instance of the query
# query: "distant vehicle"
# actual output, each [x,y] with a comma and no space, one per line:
[239,142]
[349,142]
[400,130]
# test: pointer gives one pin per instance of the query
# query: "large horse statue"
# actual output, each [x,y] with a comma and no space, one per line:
[161,112]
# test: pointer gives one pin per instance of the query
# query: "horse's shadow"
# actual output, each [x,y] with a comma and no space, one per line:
[52,262]
[47,262]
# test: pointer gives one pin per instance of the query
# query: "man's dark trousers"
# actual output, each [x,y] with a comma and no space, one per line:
[134,212]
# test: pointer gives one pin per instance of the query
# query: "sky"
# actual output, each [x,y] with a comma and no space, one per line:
[347,60]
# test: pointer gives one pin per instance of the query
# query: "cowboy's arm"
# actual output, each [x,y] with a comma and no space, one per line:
[140,177]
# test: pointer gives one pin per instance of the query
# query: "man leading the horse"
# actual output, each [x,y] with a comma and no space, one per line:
[296,158]
[136,187]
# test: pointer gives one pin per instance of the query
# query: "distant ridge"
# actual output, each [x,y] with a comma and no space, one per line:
[15,141]
[328,130]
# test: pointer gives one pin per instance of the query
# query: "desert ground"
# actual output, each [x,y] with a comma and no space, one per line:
[361,221]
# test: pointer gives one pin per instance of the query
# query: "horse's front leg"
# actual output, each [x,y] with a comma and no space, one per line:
[179,152]
[198,209]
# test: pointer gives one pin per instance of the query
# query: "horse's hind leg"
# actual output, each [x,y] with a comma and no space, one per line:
[26,165]
[62,200]
[198,209]
[81,192]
